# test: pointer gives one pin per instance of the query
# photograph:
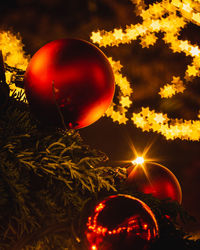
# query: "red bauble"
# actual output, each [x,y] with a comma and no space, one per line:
[121,222]
[155,179]
[74,75]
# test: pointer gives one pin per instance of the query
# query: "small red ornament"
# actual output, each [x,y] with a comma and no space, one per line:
[155,179]
[73,76]
[121,222]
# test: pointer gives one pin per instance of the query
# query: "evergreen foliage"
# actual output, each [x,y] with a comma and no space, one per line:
[46,177]
[49,181]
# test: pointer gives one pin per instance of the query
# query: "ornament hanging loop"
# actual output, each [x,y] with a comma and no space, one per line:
[58,107]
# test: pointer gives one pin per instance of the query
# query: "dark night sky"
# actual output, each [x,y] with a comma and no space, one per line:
[39,22]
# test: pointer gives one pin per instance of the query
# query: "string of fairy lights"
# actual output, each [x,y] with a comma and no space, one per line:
[158,17]
[14,56]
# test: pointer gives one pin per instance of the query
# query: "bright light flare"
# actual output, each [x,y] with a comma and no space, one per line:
[138,161]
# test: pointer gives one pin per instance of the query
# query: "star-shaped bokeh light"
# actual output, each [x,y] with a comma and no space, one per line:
[169,18]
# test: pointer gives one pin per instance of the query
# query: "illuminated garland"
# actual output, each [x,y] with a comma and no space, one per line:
[159,17]
[14,56]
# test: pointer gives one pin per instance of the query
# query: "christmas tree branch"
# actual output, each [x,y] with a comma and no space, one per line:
[45,178]
[31,238]
[17,75]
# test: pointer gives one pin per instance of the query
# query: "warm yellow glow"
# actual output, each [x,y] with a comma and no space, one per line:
[12,49]
[139,160]
[141,157]
[168,17]
[14,55]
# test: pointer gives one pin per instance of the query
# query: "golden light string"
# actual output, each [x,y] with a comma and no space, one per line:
[158,17]
[13,55]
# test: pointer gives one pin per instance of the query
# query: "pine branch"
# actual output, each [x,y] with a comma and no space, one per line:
[17,75]
[45,177]
[49,176]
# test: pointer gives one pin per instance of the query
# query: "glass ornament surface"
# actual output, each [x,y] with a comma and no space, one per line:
[121,222]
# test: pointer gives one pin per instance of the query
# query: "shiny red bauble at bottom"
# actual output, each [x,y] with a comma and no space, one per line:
[121,222]
[153,178]
[71,77]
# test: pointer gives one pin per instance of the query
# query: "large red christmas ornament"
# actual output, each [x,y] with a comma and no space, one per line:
[72,76]
[155,179]
[121,222]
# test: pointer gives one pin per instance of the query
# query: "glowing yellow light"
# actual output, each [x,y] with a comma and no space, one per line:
[93,247]
[12,49]
[13,55]
[139,160]
[157,17]
[96,37]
